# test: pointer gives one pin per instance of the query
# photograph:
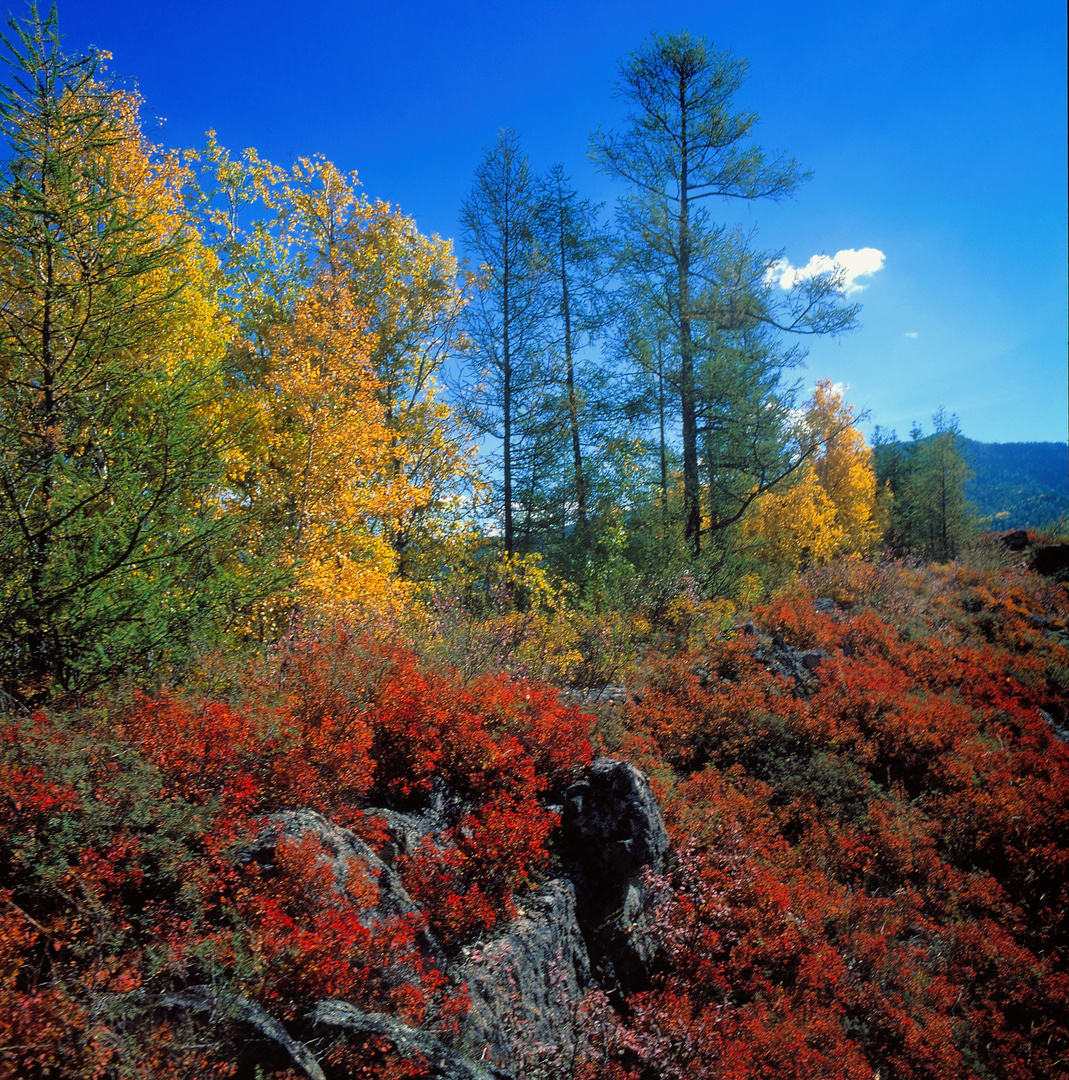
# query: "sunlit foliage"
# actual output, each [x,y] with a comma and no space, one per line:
[114,546]
[830,507]
[122,877]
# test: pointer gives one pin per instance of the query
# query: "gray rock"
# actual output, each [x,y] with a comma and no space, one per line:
[263,1038]
[343,852]
[526,983]
[797,664]
[440,1060]
[590,696]
[442,811]
[404,832]
[612,831]
[232,1007]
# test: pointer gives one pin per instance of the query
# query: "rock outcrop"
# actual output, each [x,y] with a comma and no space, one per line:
[526,983]
[612,831]
[797,664]
[342,851]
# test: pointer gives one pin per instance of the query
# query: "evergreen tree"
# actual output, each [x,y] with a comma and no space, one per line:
[930,515]
[502,227]
[941,519]
[576,248]
[683,146]
[113,540]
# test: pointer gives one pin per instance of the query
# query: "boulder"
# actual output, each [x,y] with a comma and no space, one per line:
[612,831]
[1051,560]
[526,980]
[1017,540]
[342,851]
[526,983]
[442,811]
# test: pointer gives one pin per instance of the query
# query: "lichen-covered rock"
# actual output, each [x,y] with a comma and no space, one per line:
[438,1060]
[798,664]
[525,983]
[612,831]
[342,850]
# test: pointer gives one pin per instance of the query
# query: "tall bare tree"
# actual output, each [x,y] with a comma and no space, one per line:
[501,227]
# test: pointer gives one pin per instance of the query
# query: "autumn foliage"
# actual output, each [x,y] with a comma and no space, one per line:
[869,869]
[228,474]
[871,874]
[123,879]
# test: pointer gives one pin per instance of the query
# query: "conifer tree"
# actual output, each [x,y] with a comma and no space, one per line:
[930,515]
[502,227]
[576,249]
[112,540]
[684,144]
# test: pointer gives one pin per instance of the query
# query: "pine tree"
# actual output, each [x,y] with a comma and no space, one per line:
[685,145]
[113,541]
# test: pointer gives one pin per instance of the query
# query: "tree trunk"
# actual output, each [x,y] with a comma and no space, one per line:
[687,389]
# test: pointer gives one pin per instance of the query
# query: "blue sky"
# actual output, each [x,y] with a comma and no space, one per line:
[936,133]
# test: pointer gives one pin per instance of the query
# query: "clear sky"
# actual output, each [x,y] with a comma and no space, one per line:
[936,133]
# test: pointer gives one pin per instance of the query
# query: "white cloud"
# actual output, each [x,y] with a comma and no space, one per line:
[911,334]
[850,264]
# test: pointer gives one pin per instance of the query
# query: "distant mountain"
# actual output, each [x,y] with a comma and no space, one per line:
[1018,485]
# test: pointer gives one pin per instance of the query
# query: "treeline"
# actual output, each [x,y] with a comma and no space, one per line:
[945,487]
[634,378]
[221,399]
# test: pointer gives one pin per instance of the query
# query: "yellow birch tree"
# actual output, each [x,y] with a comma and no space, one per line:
[844,469]
[346,314]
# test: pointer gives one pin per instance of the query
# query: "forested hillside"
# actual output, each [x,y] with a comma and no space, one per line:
[411,668]
[1018,485]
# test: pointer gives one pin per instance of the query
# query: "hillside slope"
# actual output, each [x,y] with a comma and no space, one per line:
[1018,485]
[362,864]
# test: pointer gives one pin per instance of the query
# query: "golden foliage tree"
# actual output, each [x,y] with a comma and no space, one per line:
[345,313]
[327,477]
[793,529]
[831,507]
[408,287]
[844,468]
